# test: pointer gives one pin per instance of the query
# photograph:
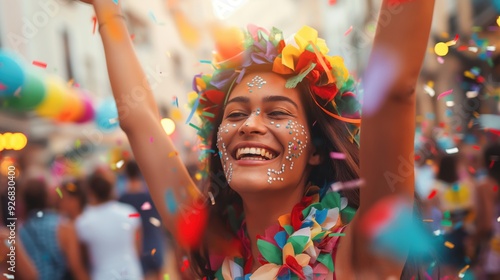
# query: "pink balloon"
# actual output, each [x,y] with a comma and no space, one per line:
[88,108]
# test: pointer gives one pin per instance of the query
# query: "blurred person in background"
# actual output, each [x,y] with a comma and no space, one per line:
[25,269]
[455,198]
[49,238]
[153,238]
[110,232]
[73,199]
[488,221]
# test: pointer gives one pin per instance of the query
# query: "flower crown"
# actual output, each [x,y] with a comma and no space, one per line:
[304,56]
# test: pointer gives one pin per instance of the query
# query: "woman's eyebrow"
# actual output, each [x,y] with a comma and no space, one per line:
[277,98]
[270,98]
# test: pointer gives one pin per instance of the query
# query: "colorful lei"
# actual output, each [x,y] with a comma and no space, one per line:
[300,246]
[304,56]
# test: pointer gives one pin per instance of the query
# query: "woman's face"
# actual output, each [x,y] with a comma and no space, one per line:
[263,140]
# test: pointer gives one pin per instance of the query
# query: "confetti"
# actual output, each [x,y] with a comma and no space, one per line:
[449,244]
[452,150]
[440,60]
[446,93]
[116,2]
[120,163]
[166,277]
[151,139]
[173,154]
[461,273]
[153,252]
[337,186]
[428,220]
[40,64]
[432,194]
[94,22]
[152,16]
[134,215]
[2,87]
[194,126]
[348,31]
[495,188]
[146,206]
[170,201]
[441,49]
[59,192]
[335,155]
[155,222]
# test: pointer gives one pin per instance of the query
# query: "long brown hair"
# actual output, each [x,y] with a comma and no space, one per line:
[327,134]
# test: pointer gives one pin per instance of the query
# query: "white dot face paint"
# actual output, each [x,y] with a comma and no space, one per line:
[263,137]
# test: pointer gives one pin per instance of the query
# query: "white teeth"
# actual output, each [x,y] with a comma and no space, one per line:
[254,151]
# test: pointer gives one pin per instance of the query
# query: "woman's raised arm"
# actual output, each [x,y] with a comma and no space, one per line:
[163,170]
[388,121]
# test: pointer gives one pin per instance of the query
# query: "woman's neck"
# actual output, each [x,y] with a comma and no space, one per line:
[262,210]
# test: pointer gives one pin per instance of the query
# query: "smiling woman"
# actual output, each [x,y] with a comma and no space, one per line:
[274,110]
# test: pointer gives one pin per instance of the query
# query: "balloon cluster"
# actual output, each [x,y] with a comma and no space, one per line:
[23,90]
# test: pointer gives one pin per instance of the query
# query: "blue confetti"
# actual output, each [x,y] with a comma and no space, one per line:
[171,202]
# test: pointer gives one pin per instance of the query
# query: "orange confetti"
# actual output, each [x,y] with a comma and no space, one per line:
[153,252]
[449,244]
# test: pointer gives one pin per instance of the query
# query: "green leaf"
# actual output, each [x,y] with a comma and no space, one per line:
[270,252]
[295,80]
[347,214]
[331,200]
[327,260]
[288,229]
[298,242]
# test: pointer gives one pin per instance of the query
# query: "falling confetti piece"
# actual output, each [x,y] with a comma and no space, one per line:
[94,22]
[432,194]
[155,222]
[452,150]
[40,64]
[337,186]
[120,163]
[441,49]
[134,215]
[166,277]
[428,220]
[153,252]
[2,87]
[444,94]
[348,31]
[151,139]
[495,188]
[449,244]
[116,2]
[194,126]
[440,60]
[146,206]
[461,273]
[170,201]
[173,154]
[335,155]
[59,192]
[152,16]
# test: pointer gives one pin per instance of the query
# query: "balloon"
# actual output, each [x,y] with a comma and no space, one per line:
[88,109]
[11,74]
[106,116]
[55,98]
[32,93]
[72,109]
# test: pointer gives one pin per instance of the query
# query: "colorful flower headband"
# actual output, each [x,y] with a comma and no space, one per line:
[303,56]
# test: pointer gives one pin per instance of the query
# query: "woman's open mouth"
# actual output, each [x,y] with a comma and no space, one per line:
[253,153]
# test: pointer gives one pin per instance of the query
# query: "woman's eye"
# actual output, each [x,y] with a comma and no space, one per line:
[278,114]
[236,115]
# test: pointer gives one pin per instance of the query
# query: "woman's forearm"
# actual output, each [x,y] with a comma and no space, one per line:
[128,81]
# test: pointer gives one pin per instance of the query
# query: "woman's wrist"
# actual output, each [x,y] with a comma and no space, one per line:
[105,9]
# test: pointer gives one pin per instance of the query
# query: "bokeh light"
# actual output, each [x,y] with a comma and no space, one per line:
[168,125]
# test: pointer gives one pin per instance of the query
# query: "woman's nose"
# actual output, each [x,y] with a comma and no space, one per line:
[254,124]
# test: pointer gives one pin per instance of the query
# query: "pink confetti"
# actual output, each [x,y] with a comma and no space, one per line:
[151,140]
[2,86]
[338,186]
[146,206]
[440,60]
[444,94]
[40,64]
[335,155]
[348,31]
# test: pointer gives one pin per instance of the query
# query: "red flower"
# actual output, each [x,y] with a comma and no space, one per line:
[211,102]
[296,216]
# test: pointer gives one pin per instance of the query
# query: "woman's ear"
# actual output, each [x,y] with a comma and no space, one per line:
[315,158]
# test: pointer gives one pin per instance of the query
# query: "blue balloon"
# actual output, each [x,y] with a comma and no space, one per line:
[11,74]
[106,116]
